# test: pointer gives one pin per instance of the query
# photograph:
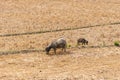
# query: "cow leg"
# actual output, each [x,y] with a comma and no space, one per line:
[82,43]
[87,43]
[64,49]
[55,50]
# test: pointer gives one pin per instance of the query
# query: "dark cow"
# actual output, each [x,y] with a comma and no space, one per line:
[83,41]
[59,43]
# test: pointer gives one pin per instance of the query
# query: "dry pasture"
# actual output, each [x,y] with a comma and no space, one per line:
[100,62]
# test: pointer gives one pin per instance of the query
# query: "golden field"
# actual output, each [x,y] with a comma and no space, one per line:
[41,15]
[97,36]
[97,61]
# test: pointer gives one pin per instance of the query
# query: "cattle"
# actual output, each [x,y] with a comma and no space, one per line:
[83,41]
[59,43]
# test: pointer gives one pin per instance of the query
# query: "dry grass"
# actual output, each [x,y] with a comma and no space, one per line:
[39,15]
[18,16]
[84,64]
[96,37]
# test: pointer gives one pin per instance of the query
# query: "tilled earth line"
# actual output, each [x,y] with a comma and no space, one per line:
[97,36]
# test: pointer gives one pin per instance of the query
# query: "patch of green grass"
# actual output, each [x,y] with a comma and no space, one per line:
[116,43]
[68,46]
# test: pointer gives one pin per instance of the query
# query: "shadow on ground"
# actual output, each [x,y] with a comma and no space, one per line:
[51,53]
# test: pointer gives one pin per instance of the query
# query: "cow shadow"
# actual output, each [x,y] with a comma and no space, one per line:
[60,53]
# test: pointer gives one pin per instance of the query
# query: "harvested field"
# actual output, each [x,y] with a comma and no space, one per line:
[25,58]
[39,15]
[97,36]
[78,64]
